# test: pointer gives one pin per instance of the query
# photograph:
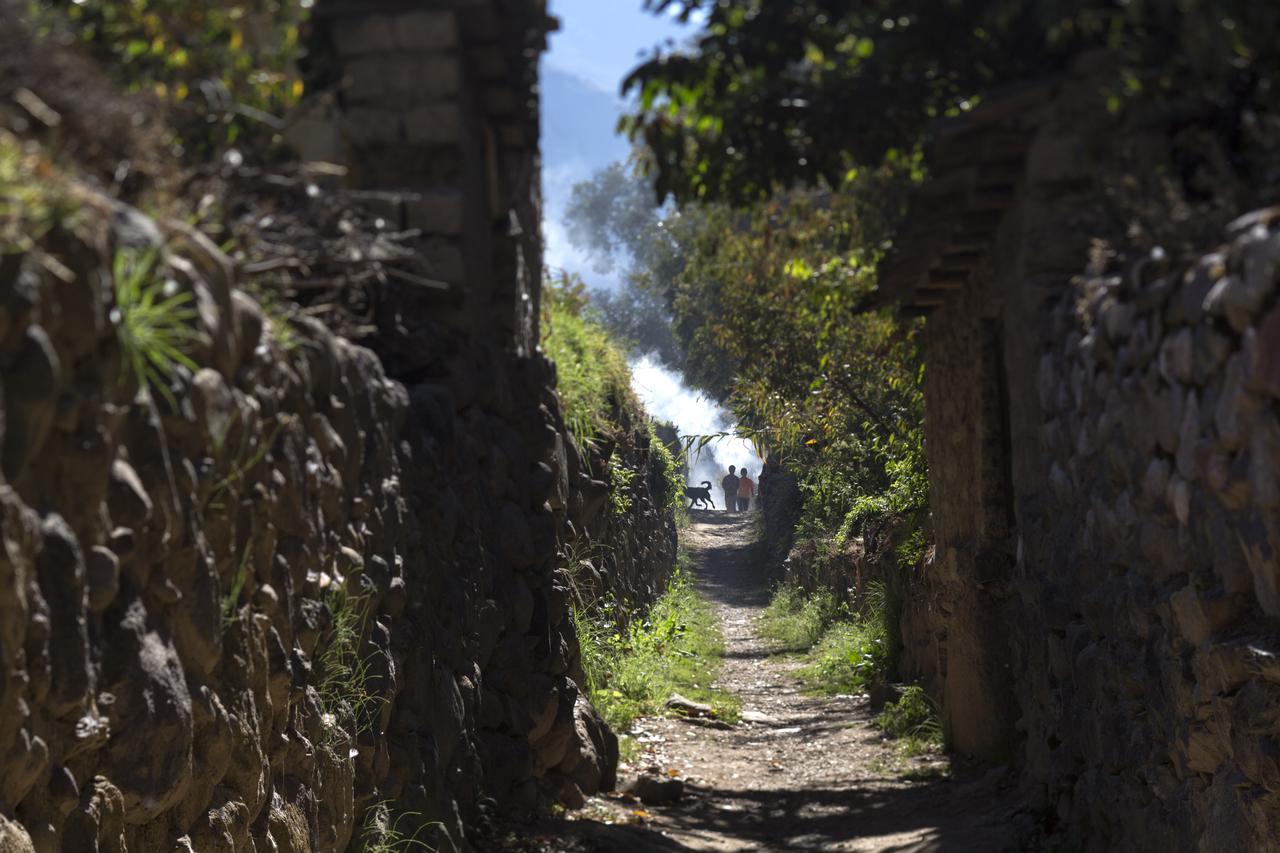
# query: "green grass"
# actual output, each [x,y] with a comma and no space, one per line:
[32,197]
[154,327]
[794,621]
[349,709]
[231,600]
[674,648]
[592,376]
[844,652]
[381,832]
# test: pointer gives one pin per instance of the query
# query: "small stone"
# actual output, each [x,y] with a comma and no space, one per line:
[102,576]
[1177,356]
[655,791]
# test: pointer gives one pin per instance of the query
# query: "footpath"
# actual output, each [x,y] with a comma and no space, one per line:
[798,772]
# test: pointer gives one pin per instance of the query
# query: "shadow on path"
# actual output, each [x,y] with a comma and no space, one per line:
[801,772]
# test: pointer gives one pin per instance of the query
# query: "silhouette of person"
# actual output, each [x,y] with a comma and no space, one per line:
[730,486]
[746,490]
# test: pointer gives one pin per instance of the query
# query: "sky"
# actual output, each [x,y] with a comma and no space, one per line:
[599,42]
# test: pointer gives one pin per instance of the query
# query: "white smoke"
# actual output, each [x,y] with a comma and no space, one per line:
[667,398]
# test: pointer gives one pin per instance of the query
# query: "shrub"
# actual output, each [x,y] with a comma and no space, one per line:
[229,66]
[672,481]
[914,719]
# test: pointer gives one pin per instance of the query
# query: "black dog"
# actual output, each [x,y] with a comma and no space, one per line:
[698,495]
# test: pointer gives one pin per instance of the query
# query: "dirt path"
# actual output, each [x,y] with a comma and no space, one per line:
[799,772]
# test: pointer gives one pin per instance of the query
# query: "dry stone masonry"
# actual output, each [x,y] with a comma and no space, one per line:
[307,578]
[1102,607]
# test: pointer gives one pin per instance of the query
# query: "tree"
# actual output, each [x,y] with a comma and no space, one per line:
[613,218]
[776,94]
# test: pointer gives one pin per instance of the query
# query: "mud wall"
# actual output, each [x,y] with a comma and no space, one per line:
[306,578]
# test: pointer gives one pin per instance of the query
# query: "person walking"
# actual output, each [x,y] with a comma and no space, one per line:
[746,491]
[730,486]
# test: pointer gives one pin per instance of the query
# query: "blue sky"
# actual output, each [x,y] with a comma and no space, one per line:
[598,43]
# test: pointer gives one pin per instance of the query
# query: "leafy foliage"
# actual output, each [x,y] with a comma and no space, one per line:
[672,481]
[32,197]
[613,219]
[230,67]
[846,651]
[777,94]
[914,719]
[153,325]
[673,648]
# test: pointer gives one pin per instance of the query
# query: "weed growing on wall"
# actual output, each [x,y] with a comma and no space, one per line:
[32,200]
[673,648]
[382,831]
[621,480]
[153,324]
[348,707]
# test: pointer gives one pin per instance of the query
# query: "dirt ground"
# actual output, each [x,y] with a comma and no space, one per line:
[798,772]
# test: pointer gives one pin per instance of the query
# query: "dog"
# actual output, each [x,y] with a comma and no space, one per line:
[699,495]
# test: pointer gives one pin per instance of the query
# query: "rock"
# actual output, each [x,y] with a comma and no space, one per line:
[151,747]
[102,577]
[1177,356]
[31,387]
[1262,356]
[515,537]
[130,504]
[1236,300]
[655,790]
[688,707]
[13,838]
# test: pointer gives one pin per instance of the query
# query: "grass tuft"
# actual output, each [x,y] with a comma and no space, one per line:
[349,709]
[794,621]
[592,376]
[674,648]
[153,326]
[381,832]
[845,652]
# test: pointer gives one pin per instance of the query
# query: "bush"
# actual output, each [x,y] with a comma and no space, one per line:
[229,67]
[914,719]
[672,481]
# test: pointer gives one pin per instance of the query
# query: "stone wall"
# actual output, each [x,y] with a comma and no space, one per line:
[1149,583]
[1102,609]
[308,577]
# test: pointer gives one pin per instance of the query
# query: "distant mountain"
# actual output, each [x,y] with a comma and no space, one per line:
[577,124]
